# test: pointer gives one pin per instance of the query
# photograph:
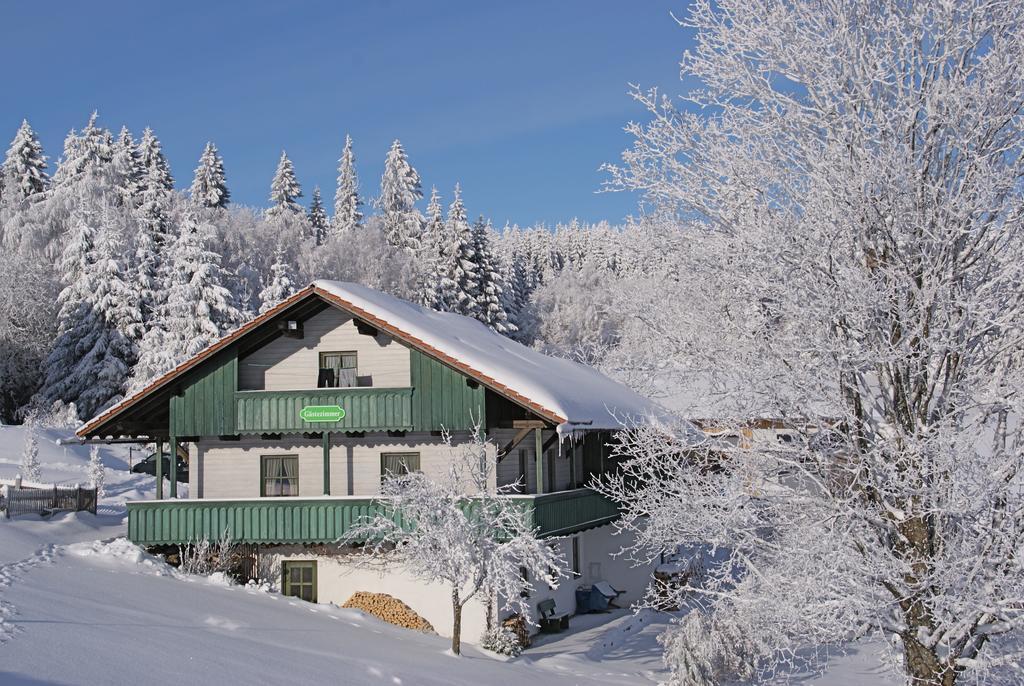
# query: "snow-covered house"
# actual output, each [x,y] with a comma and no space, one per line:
[292,420]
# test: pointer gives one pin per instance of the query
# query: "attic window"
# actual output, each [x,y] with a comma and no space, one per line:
[472,383]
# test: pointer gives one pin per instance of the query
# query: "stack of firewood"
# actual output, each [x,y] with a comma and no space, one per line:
[390,609]
[517,624]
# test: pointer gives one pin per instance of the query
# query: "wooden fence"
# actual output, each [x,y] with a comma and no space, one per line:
[44,501]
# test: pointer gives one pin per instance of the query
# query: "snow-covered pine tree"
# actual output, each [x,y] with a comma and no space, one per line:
[127,167]
[91,357]
[88,151]
[96,473]
[284,190]
[490,307]
[318,217]
[116,297]
[281,284]
[513,294]
[156,171]
[456,277]
[23,173]
[347,215]
[430,257]
[155,197]
[399,192]
[86,160]
[209,185]
[198,310]
[30,469]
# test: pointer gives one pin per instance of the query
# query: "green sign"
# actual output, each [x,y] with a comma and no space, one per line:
[322,413]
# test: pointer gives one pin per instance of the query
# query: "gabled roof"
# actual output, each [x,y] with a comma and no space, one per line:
[565,393]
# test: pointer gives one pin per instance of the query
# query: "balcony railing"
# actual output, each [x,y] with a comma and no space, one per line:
[365,409]
[328,518]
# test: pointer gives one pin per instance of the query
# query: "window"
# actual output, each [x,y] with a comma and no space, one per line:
[279,475]
[398,464]
[575,555]
[298,579]
[338,370]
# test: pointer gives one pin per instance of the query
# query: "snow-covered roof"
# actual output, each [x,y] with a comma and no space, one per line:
[578,396]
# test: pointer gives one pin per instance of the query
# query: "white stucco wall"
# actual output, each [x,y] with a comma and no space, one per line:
[597,563]
[337,580]
[292,364]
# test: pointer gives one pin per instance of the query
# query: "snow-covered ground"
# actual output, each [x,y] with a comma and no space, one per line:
[79,604]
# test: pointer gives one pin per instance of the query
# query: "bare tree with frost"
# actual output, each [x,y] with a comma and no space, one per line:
[457,531]
[30,467]
[851,176]
[96,472]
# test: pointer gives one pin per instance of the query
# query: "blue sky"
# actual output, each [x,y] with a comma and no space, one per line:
[519,101]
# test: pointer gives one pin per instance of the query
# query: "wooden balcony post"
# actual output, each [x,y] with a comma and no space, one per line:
[159,469]
[327,462]
[539,458]
[173,463]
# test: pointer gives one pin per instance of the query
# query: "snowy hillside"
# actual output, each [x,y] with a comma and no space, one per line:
[80,604]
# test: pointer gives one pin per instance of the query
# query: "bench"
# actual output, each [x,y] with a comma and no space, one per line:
[551,621]
[608,591]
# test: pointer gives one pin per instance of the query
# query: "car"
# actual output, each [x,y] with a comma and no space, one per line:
[148,466]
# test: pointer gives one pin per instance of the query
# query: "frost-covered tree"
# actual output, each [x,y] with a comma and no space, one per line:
[28,315]
[490,308]
[280,285]
[96,472]
[209,185]
[285,190]
[23,173]
[399,192]
[347,215]
[369,260]
[318,218]
[458,531]
[30,468]
[576,315]
[454,280]
[851,179]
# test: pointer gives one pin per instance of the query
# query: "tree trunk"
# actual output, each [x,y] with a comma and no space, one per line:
[923,666]
[456,623]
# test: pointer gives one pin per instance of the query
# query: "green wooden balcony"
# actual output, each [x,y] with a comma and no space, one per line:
[328,518]
[366,409]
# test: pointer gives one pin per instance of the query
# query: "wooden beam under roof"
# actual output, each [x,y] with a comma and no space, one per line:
[516,440]
[529,424]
